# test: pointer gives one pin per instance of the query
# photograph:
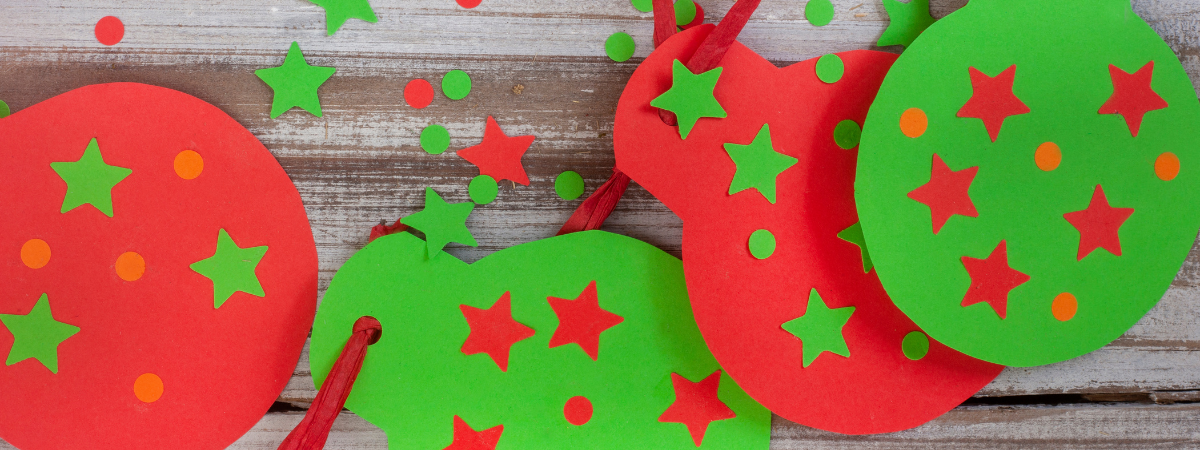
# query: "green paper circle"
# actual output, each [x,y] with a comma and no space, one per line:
[818,12]
[456,84]
[1064,83]
[4,112]
[685,12]
[568,185]
[619,47]
[830,68]
[762,244]
[643,5]
[915,345]
[435,139]
[846,134]
[483,189]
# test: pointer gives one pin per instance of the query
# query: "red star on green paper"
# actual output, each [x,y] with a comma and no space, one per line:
[697,405]
[499,156]
[993,100]
[581,321]
[690,97]
[338,11]
[89,180]
[992,279]
[906,21]
[1132,96]
[37,335]
[820,329]
[493,331]
[758,165]
[442,222]
[231,269]
[1098,225]
[295,83]
[946,193]
[466,438]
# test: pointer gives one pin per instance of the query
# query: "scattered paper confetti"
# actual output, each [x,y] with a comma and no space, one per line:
[619,47]
[483,189]
[435,139]
[109,30]
[568,185]
[442,222]
[830,68]
[690,97]
[418,93]
[818,12]
[761,244]
[499,155]
[456,84]
[337,12]
[295,83]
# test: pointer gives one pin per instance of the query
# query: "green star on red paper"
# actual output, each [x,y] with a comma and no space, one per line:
[907,21]
[37,335]
[338,11]
[820,329]
[758,165]
[854,235]
[295,83]
[690,97]
[231,269]
[90,180]
[442,222]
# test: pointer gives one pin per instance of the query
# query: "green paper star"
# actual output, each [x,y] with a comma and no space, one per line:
[907,21]
[231,269]
[89,180]
[442,222]
[338,11]
[854,235]
[295,83]
[758,165]
[690,97]
[820,329]
[37,335]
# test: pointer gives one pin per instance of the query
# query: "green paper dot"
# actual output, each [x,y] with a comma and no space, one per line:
[483,189]
[619,47]
[568,185]
[456,84]
[762,244]
[643,5]
[915,345]
[830,68]
[4,112]
[818,12]
[847,134]
[435,139]
[685,12]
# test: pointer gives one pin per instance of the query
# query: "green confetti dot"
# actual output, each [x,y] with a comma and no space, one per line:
[568,185]
[456,84]
[483,189]
[847,134]
[619,47]
[830,68]
[643,5]
[915,345]
[762,244]
[435,139]
[685,12]
[4,112]
[818,12]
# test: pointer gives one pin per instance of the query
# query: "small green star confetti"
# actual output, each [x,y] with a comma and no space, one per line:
[338,11]
[37,335]
[854,235]
[820,329]
[231,269]
[908,20]
[90,180]
[690,97]
[442,222]
[295,83]
[758,165]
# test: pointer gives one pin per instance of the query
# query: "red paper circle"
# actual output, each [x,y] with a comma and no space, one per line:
[110,30]
[578,410]
[469,3]
[418,93]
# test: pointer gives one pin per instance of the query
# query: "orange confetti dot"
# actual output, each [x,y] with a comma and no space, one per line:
[35,253]
[130,266]
[1167,166]
[148,387]
[1064,306]
[913,123]
[188,164]
[1048,156]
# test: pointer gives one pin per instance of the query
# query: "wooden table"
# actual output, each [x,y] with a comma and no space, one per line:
[539,67]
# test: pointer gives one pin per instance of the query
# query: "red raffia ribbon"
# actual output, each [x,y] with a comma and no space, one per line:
[592,213]
[312,432]
[383,229]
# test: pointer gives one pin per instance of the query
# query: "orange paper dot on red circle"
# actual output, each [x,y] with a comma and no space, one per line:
[469,3]
[578,410]
[418,93]
[110,30]
[130,266]
[1048,156]
[1166,166]
[148,387]
[188,164]
[914,122]
[1064,307]
[35,253]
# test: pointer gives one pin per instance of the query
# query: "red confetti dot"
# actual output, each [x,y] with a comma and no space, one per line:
[418,93]
[110,30]
[469,3]
[578,410]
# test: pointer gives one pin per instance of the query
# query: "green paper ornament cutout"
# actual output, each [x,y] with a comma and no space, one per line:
[998,175]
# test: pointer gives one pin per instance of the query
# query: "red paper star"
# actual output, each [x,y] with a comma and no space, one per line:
[992,279]
[1098,225]
[993,100]
[696,405]
[493,331]
[946,193]
[581,321]
[499,156]
[466,438]
[1132,96]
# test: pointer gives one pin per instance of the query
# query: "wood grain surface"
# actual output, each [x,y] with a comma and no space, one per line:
[361,163]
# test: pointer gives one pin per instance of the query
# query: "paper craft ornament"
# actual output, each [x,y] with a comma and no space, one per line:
[578,341]
[1028,197]
[160,273]
[779,276]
